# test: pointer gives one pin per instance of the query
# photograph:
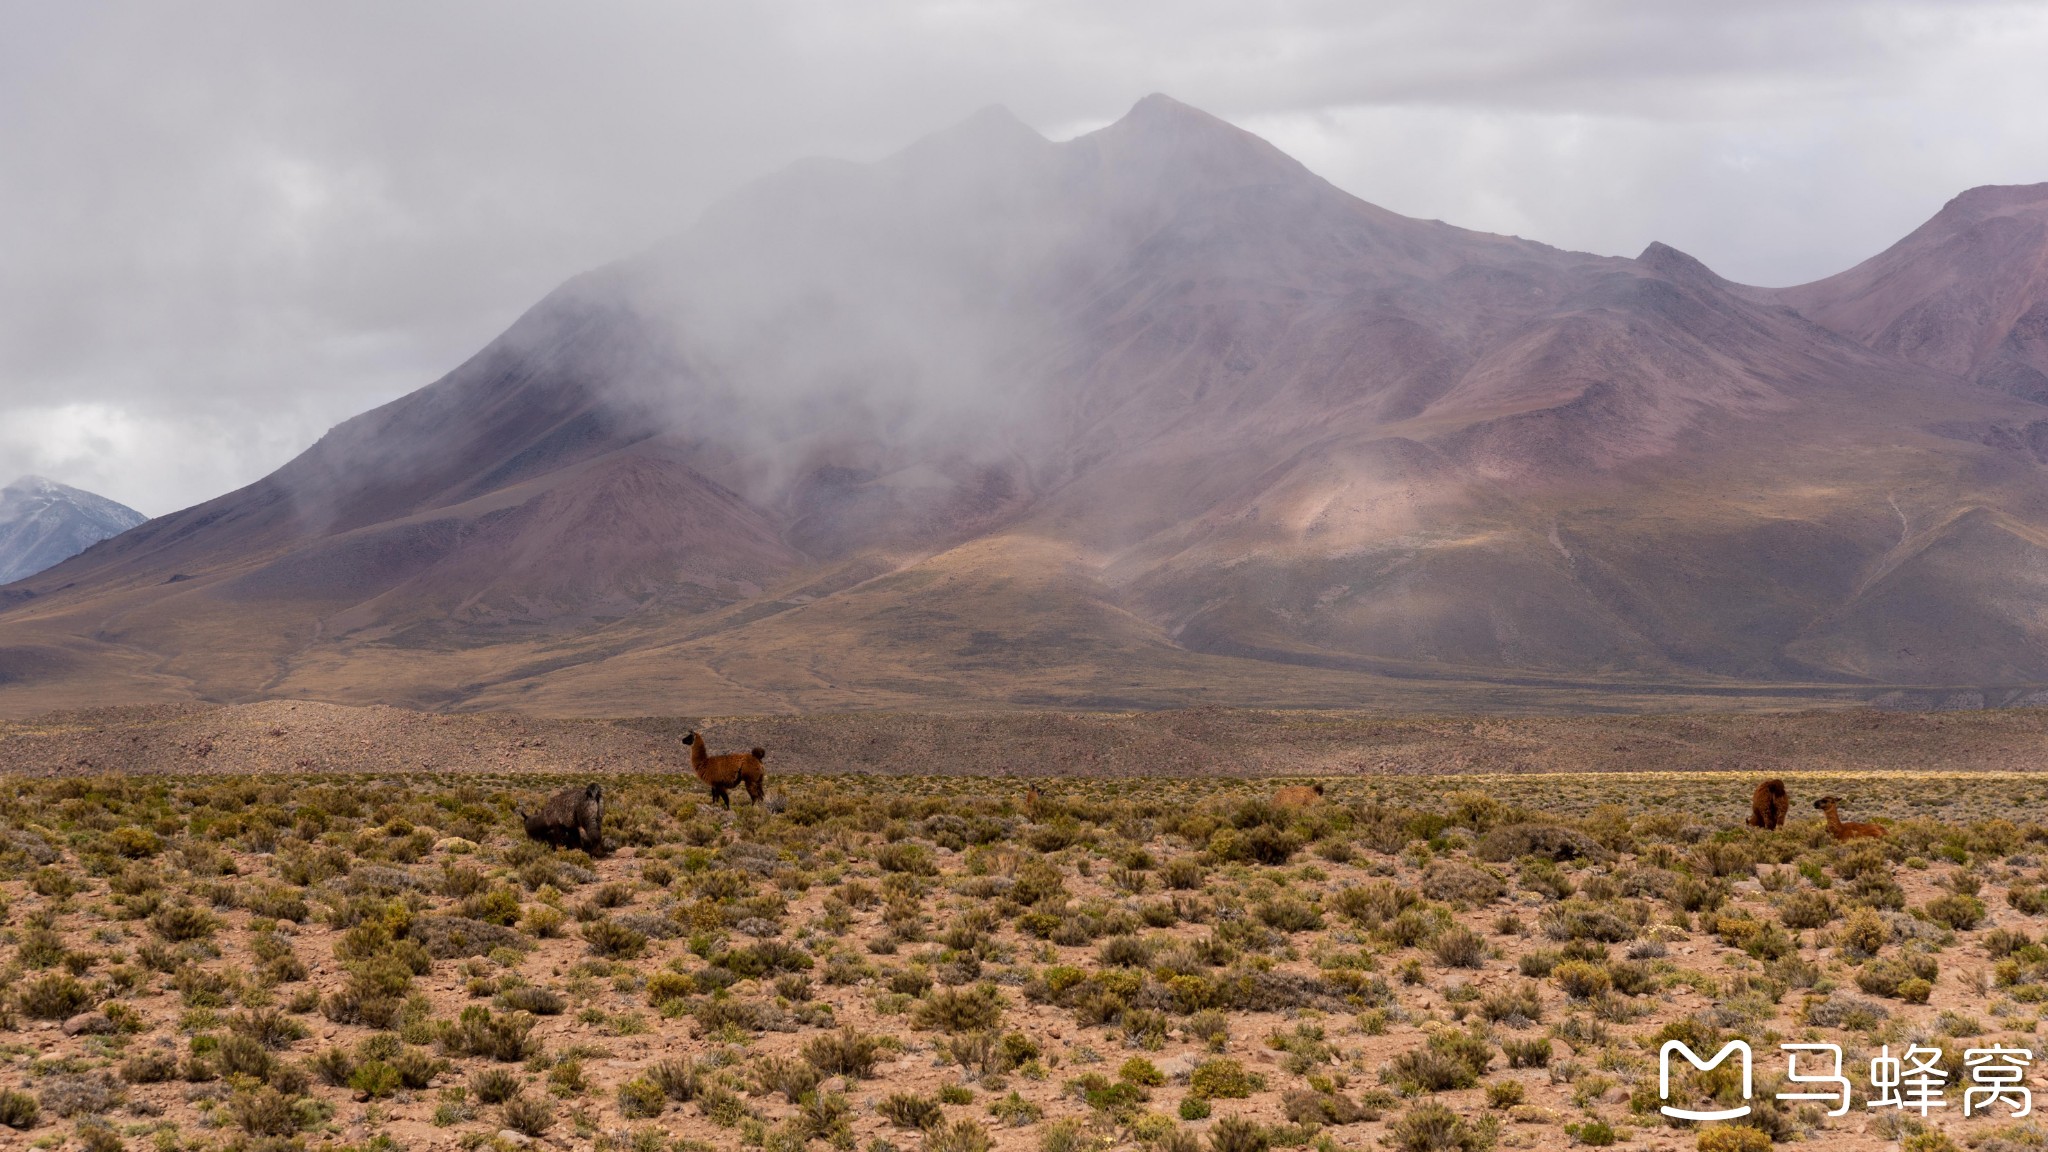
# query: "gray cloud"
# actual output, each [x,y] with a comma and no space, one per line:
[226,227]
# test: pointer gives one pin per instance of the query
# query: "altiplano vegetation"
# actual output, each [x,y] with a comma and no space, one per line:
[953,964]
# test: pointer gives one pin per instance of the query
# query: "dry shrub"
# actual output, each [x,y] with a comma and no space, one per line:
[1458,883]
[846,1052]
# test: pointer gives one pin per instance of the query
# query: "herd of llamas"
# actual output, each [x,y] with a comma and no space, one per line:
[574,817]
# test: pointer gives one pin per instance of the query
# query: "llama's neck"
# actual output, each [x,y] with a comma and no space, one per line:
[1834,819]
[698,756]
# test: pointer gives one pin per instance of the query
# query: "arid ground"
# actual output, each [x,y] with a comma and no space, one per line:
[301,736]
[301,940]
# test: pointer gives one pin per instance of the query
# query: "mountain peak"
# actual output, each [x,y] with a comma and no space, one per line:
[1998,199]
[1159,114]
[1187,147]
[996,118]
[1664,257]
[993,137]
[43,523]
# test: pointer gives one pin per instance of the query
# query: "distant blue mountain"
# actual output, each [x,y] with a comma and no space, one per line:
[44,523]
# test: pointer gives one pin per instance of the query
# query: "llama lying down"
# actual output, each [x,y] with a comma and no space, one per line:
[571,818]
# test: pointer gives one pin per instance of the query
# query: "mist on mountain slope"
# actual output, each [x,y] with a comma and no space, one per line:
[1148,405]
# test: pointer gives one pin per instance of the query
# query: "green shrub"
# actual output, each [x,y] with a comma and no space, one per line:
[640,1098]
[1806,909]
[1458,883]
[845,1053]
[906,858]
[1909,977]
[18,1109]
[1956,911]
[1531,1053]
[909,1110]
[477,1032]
[151,1067]
[1449,1060]
[1015,1111]
[1593,1133]
[494,1085]
[957,1010]
[2029,899]
[1582,980]
[545,1001]
[374,1079]
[1515,1007]
[265,1112]
[1223,1079]
[613,940]
[1459,947]
[794,1079]
[1431,1127]
[180,922]
[1732,1138]
[1237,1134]
[529,1115]
[53,996]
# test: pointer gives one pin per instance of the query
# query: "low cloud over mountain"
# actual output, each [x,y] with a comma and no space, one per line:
[1152,416]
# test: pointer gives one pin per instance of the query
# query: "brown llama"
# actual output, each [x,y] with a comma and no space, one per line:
[1298,796]
[1769,805]
[571,818]
[722,772]
[1843,830]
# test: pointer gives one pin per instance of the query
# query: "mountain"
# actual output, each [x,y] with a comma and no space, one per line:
[43,522]
[1965,294]
[1153,416]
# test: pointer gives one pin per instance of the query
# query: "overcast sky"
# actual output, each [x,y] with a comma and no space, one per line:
[226,226]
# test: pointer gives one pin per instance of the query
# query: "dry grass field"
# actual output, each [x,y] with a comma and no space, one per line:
[944,964]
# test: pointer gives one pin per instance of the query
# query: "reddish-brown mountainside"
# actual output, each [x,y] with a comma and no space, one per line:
[1966,293]
[1151,416]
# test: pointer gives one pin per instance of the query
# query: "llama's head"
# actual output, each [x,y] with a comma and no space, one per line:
[595,793]
[1317,788]
[690,739]
[1827,802]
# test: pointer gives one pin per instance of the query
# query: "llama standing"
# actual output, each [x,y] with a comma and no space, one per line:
[1769,805]
[722,772]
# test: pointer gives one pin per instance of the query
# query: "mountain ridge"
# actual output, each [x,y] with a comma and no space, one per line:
[1153,416]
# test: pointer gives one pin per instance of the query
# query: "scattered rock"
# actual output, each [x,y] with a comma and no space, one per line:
[89,1024]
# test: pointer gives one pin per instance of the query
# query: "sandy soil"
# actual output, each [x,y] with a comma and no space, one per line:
[284,736]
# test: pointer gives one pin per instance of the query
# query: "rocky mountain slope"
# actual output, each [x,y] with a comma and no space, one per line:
[1154,416]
